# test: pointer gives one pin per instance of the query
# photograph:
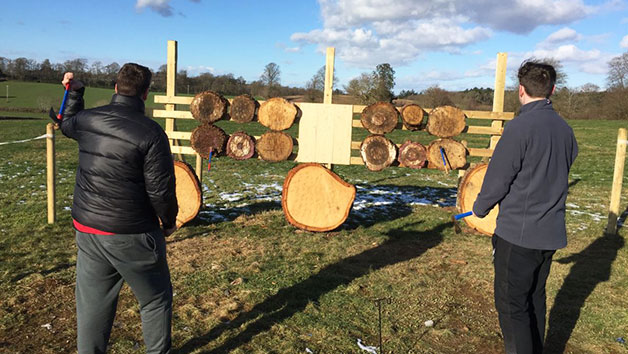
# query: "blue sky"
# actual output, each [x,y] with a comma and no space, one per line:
[449,43]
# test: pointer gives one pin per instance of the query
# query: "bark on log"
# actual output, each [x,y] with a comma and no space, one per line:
[412,154]
[206,137]
[274,146]
[208,107]
[243,108]
[277,114]
[380,118]
[455,154]
[188,190]
[446,121]
[240,146]
[316,199]
[378,152]
[412,116]
[468,191]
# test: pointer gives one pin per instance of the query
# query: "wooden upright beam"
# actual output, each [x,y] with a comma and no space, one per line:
[329,75]
[618,177]
[171,83]
[50,172]
[498,93]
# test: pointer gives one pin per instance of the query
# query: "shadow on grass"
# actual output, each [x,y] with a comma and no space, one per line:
[590,267]
[403,244]
[44,272]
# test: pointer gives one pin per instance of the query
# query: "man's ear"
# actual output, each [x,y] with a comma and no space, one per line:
[115,88]
[522,90]
[145,95]
[553,90]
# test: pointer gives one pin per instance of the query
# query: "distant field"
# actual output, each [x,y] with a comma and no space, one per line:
[246,281]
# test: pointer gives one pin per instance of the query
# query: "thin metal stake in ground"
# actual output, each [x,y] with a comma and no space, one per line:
[378,303]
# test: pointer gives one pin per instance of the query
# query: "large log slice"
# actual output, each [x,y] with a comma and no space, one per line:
[274,146]
[412,116]
[240,146]
[277,113]
[412,154]
[380,118]
[243,108]
[206,137]
[455,154]
[468,191]
[377,152]
[446,121]
[208,107]
[316,199]
[188,190]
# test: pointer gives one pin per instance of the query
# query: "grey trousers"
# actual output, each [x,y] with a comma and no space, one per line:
[103,264]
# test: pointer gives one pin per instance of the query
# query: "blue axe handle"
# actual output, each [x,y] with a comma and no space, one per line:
[463,215]
[65,97]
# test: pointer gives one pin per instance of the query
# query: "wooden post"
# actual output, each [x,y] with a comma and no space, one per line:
[199,168]
[50,171]
[498,93]
[618,176]
[171,91]
[329,75]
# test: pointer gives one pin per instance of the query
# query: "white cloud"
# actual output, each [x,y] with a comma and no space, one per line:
[199,69]
[162,7]
[624,42]
[368,32]
[563,35]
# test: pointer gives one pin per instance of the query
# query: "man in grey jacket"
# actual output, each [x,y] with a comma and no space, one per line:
[528,178]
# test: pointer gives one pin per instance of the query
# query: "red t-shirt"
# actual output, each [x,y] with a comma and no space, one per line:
[89,230]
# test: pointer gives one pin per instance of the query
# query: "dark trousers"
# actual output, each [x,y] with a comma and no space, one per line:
[103,264]
[520,276]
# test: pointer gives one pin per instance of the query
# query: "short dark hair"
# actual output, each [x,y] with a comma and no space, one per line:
[133,80]
[537,78]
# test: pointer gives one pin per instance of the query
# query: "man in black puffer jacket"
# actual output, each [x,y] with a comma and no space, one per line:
[125,186]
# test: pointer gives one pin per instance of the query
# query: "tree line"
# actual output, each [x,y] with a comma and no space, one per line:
[588,101]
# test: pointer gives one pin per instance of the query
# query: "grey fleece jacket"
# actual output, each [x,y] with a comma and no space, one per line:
[528,177]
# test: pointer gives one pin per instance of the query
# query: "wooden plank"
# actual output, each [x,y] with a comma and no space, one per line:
[494,141]
[480,152]
[186,150]
[500,82]
[179,135]
[173,99]
[329,75]
[160,113]
[50,173]
[471,129]
[356,160]
[618,177]
[325,133]
[489,115]
[171,88]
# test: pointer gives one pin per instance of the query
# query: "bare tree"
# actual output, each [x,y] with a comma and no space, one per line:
[316,86]
[362,88]
[271,77]
[618,72]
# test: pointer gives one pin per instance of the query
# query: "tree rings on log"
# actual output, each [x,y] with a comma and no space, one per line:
[412,154]
[277,113]
[380,118]
[454,152]
[208,107]
[274,146]
[188,190]
[446,121]
[378,152]
[240,146]
[468,191]
[243,108]
[412,116]
[316,199]
[206,137]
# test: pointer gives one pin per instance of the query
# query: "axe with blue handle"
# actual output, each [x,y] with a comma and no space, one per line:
[457,217]
[57,117]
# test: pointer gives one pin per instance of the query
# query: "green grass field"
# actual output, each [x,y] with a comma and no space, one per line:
[246,281]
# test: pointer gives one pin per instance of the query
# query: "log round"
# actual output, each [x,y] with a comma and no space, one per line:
[412,154]
[377,152]
[412,116]
[455,154]
[316,199]
[274,146]
[446,121]
[380,118]
[468,191]
[243,108]
[206,137]
[277,113]
[240,146]
[188,190]
[208,107]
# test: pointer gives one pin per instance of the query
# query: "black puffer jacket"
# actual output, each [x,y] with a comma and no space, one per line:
[125,180]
